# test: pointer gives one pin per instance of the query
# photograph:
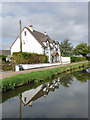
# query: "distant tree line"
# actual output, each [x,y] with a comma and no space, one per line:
[68,50]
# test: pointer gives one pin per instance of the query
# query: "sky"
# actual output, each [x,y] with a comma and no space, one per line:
[60,20]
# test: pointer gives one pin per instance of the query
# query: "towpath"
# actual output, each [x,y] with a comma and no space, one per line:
[11,73]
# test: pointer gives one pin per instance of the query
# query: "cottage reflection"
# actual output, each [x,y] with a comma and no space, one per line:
[28,97]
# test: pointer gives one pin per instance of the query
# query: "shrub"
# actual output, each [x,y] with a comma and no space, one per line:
[6,67]
[46,59]
[29,58]
[3,57]
[77,59]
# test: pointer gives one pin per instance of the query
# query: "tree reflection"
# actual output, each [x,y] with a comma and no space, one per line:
[66,80]
[81,76]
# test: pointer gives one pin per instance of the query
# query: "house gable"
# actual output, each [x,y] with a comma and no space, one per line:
[29,43]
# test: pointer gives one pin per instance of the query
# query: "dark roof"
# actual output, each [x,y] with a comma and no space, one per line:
[5,52]
[35,34]
[40,37]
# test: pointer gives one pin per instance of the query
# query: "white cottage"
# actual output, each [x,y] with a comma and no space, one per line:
[36,42]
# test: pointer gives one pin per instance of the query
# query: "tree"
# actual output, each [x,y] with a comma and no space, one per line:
[66,48]
[81,49]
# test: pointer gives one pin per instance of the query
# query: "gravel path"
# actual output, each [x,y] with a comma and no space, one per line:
[11,73]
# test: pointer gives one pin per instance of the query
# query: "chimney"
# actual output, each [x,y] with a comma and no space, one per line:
[31,28]
[45,33]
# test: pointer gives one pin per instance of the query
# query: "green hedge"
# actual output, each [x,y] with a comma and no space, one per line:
[77,59]
[29,58]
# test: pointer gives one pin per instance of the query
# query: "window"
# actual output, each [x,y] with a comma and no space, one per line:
[25,33]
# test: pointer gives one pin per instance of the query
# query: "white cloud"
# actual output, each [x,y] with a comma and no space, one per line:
[59,20]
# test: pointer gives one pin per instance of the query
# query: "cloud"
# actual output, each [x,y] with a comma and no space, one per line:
[5,45]
[60,20]
[45,0]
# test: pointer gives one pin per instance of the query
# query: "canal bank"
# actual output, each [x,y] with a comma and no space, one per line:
[38,76]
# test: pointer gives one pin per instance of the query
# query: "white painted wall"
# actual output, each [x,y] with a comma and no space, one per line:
[30,66]
[16,46]
[65,60]
[31,44]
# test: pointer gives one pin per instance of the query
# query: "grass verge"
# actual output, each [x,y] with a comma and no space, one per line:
[37,76]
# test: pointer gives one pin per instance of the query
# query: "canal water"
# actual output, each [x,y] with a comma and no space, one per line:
[66,96]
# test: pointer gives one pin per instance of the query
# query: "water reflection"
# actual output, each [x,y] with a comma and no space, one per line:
[28,97]
[63,95]
[82,76]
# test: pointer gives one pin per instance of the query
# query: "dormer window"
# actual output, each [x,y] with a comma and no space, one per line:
[25,33]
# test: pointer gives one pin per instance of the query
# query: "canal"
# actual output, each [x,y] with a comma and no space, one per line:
[66,96]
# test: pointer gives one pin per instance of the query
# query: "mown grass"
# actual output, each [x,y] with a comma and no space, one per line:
[36,77]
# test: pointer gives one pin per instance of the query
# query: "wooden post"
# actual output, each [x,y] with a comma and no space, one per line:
[20,37]
[61,60]
[54,59]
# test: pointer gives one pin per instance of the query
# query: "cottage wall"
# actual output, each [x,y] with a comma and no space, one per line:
[29,44]
[16,46]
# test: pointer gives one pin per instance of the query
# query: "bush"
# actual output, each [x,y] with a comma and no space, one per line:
[3,57]
[29,58]
[46,59]
[77,59]
[7,67]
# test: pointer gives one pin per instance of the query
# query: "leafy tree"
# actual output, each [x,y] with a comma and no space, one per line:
[66,48]
[81,49]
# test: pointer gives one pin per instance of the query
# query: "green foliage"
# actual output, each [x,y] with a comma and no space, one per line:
[6,67]
[88,58]
[66,48]
[46,59]
[28,58]
[81,49]
[66,80]
[3,57]
[77,59]
[81,76]
[21,79]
